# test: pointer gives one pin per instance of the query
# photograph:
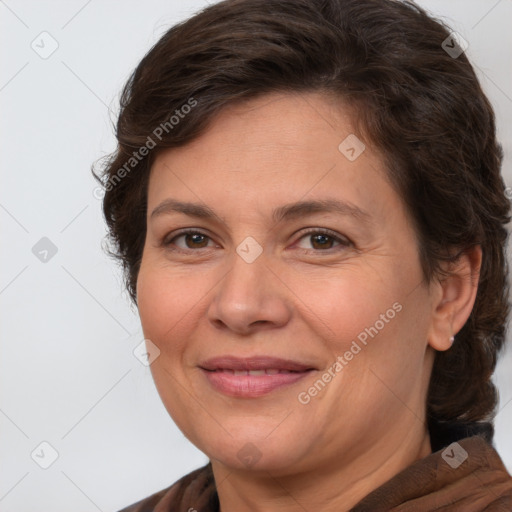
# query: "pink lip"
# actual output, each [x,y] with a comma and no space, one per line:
[253,363]
[220,373]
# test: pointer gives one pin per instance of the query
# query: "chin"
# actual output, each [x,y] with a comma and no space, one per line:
[258,451]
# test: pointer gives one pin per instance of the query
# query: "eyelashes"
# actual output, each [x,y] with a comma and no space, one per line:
[322,236]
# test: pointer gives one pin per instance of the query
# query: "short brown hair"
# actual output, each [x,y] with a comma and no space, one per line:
[420,107]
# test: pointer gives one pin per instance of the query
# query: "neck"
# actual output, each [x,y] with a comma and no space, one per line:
[331,487]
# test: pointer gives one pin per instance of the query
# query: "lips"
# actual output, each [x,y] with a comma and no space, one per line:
[266,371]
[254,363]
[252,377]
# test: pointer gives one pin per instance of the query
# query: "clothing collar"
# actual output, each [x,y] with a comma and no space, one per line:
[465,476]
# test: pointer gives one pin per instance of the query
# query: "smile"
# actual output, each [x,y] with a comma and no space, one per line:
[252,383]
[269,371]
[254,376]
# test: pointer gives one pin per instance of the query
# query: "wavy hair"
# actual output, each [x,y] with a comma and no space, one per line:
[422,108]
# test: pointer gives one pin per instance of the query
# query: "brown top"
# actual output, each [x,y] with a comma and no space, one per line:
[467,476]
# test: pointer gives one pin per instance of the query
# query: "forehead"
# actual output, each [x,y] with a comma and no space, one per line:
[276,149]
[284,121]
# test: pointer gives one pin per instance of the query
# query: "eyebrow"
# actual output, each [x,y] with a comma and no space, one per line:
[287,212]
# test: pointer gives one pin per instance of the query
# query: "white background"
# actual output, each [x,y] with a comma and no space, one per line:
[68,375]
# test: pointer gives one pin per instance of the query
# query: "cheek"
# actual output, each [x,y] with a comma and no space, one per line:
[373,321]
[162,301]
[160,308]
[351,305]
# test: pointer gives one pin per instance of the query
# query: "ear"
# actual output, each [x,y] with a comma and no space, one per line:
[453,298]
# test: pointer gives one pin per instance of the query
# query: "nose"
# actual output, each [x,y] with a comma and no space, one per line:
[250,297]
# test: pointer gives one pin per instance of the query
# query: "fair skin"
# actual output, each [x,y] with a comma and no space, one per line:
[300,299]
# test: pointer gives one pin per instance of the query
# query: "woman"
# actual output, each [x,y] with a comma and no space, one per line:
[307,201]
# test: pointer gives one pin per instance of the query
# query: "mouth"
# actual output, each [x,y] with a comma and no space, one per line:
[252,377]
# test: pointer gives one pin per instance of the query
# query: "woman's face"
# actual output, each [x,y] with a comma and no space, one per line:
[336,291]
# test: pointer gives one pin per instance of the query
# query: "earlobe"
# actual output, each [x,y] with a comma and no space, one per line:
[453,299]
[441,336]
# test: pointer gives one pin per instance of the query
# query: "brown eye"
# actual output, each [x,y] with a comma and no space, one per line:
[321,241]
[324,240]
[192,240]
[195,239]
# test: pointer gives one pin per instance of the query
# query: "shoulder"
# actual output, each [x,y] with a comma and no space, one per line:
[194,492]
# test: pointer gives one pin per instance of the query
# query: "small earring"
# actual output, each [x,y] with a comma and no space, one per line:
[452,339]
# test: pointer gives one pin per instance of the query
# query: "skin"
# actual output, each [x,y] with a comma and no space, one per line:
[297,300]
